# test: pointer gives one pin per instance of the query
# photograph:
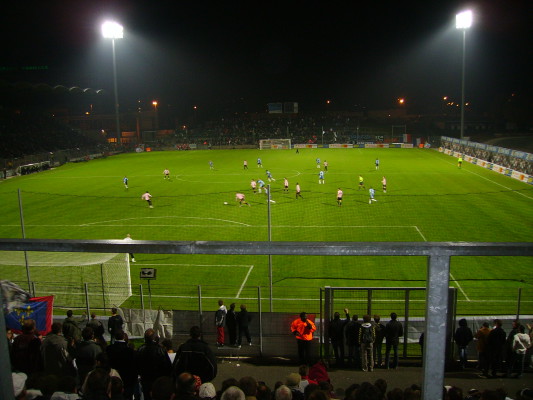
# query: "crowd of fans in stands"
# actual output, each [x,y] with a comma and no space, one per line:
[72,363]
[508,161]
[33,133]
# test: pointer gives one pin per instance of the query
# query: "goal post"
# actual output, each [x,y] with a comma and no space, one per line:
[65,274]
[274,144]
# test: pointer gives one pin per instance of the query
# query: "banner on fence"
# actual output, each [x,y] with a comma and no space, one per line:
[40,309]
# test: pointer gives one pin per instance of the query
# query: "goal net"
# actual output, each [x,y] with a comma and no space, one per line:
[275,144]
[65,276]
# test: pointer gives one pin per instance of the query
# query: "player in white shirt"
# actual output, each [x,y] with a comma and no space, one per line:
[321,177]
[339,197]
[298,191]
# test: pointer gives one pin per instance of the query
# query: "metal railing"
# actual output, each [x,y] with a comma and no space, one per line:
[438,276]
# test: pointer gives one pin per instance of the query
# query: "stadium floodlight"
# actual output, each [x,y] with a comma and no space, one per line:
[463,21]
[113,30]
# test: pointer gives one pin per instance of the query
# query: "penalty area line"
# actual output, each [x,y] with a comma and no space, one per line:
[451,275]
[244,281]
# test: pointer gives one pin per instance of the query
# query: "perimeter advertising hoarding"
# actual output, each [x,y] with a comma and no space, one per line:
[521,177]
[494,167]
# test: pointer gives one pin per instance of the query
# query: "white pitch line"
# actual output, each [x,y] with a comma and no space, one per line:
[199,265]
[166,217]
[222,226]
[301,299]
[244,282]
[451,275]
[420,233]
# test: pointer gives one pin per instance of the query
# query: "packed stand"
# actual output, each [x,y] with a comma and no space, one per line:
[72,363]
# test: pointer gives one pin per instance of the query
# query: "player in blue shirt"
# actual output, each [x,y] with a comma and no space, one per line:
[371,192]
[259,163]
[377,164]
[269,176]
[321,177]
[261,185]
[318,162]
[211,165]
[125,180]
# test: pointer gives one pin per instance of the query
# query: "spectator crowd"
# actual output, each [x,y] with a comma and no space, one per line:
[72,363]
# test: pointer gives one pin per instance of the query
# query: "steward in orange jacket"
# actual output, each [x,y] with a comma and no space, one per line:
[303,328]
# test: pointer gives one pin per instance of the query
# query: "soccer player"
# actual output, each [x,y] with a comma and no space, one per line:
[285,185]
[166,174]
[361,183]
[211,165]
[261,185]
[245,164]
[241,199]
[321,177]
[377,164]
[298,191]
[259,163]
[384,183]
[269,176]
[325,165]
[125,180]
[148,198]
[339,197]
[460,162]
[253,184]
[128,239]
[318,162]
[371,192]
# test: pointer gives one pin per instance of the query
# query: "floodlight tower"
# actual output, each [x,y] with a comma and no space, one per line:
[463,21]
[113,30]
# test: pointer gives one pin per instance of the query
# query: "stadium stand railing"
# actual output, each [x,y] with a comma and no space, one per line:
[438,255]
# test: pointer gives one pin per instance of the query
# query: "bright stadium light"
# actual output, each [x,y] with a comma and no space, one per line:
[463,21]
[113,30]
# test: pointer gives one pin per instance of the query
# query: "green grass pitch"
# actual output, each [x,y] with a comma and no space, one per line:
[428,199]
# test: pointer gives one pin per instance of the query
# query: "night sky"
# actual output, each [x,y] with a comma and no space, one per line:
[241,55]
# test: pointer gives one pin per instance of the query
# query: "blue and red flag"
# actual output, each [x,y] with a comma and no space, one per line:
[39,309]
